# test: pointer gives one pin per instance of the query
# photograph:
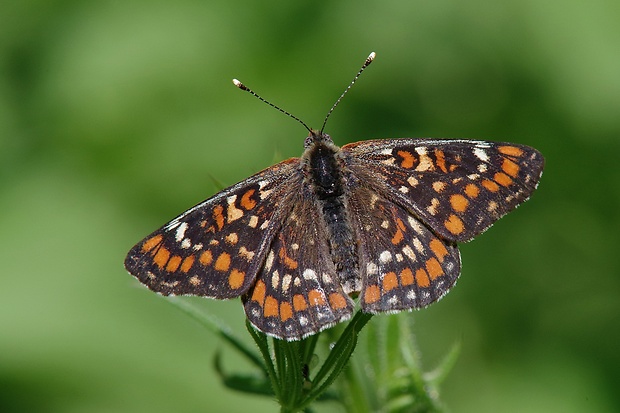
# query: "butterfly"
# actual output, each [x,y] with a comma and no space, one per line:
[376,221]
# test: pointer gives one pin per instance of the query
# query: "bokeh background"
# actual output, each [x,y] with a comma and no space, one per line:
[117,116]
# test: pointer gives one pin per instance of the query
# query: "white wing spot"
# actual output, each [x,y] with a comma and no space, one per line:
[233,213]
[432,208]
[410,295]
[327,279]
[181,231]
[417,244]
[385,224]
[186,243]
[481,154]
[409,252]
[385,257]
[253,221]
[265,194]
[412,181]
[482,168]
[286,282]
[275,279]
[265,224]
[403,189]
[198,247]
[269,260]
[426,164]
[417,227]
[371,268]
[439,186]
[309,274]
[232,238]
[248,255]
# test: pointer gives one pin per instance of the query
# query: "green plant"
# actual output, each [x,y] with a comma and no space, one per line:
[384,376]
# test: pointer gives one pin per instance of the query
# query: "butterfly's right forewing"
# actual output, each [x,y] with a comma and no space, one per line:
[216,248]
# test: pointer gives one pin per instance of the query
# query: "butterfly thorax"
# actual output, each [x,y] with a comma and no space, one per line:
[324,175]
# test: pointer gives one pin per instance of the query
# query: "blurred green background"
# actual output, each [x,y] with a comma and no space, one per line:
[115,117]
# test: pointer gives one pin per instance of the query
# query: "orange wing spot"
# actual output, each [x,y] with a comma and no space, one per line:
[161,258]
[235,279]
[286,311]
[510,150]
[223,262]
[286,260]
[454,224]
[434,268]
[472,190]
[316,297]
[258,294]
[406,277]
[151,243]
[390,281]
[187,263]
[337,301]
[246,200]
[206,258]
[438,249]
[459,202]
[502,179]
[490,185]
[371,294]
[299,302]
[271,307]
[174,263]
[421,277]
[441,160]
[218,216]
[510,168]
[399,236]
[408,159]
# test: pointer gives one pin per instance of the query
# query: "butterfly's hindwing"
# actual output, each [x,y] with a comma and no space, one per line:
[216,248]
[297,292]
[456,187]
[403,264]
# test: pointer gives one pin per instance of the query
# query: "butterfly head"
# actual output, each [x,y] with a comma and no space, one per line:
[316,137]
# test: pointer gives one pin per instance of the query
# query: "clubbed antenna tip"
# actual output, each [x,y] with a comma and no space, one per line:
[367,62]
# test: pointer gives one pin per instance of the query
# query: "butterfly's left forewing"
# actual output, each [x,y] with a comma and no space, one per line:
[216,248]
[458,188]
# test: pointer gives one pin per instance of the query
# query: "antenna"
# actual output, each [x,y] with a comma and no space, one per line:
[250,91]
[368,61]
